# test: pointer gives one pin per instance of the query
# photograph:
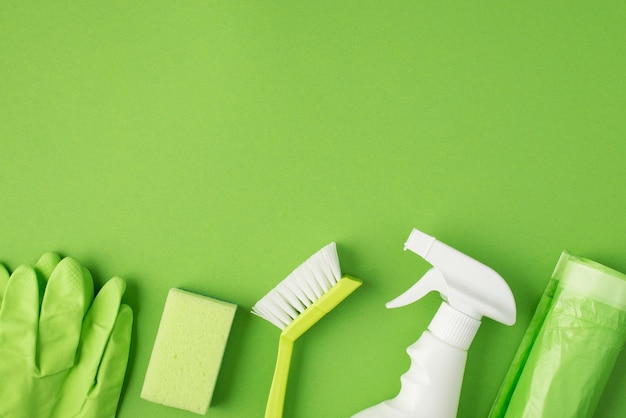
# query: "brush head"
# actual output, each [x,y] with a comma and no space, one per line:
[301,288]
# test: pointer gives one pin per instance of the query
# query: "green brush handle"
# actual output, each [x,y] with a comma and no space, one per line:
[276,399]
[328,301]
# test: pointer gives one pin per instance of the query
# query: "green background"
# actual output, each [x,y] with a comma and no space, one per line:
[215,145]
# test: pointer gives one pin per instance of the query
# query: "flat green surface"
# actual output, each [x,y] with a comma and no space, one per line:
[215,145]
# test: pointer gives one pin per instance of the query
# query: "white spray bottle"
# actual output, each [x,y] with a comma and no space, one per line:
[431,387]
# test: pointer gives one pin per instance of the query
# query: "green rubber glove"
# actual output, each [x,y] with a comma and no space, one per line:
[4,280]
[62,352]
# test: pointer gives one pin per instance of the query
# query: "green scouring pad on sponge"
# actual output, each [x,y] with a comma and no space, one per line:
[188,351]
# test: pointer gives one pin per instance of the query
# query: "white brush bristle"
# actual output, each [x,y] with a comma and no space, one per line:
[301,288]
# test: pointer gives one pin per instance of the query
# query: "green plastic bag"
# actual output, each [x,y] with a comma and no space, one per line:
[570,347]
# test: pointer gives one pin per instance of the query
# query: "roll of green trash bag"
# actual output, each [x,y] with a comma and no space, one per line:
[570,347]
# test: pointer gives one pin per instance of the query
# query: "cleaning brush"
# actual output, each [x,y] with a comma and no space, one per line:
[295,304]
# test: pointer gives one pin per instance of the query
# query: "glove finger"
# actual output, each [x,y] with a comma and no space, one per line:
[47,263]
[100,321]
[18,340]
[104,396]
[69,292]
[4,280]
[97,328]
[19,315]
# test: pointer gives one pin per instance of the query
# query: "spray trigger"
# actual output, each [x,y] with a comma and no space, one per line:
[433,280]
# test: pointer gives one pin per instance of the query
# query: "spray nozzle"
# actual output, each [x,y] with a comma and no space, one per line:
[467,285]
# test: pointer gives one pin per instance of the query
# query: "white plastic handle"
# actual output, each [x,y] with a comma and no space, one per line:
[433,280]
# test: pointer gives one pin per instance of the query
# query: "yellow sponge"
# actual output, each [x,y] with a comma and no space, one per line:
[188,351]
